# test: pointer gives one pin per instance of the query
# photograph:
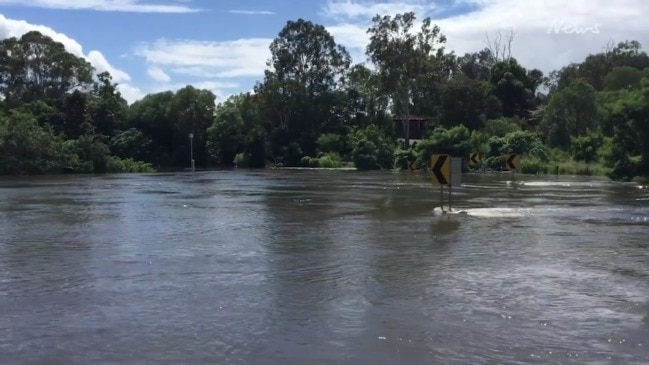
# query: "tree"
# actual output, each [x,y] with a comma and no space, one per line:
[624,78]
[35,67]
[596,67]
[477,65]
[307,66]
[108,108]
[26,147]
[515,87]
[313,108]
[630,117]
[572,111]
[402,56]
[499,47]
[167,119]
[226,137]
[366,103]
[468,102]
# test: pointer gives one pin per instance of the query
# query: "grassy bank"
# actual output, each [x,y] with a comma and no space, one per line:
[564,167]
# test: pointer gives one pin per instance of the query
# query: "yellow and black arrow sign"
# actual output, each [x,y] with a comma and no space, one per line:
[513,162]
[474,158]
[441,167]
[412,165]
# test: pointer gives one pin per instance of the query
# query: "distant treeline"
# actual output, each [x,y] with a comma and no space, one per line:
[315,108]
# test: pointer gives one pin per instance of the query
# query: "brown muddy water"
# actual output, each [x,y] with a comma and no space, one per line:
[322,267]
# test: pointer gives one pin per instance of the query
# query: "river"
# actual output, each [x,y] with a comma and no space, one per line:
[322,267]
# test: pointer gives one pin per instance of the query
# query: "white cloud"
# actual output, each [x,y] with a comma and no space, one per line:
[536,43]
[16,28]
[206,60]
[251,12]
[134,6]
[131,93]
[365,10]
[101,64]
[158,74]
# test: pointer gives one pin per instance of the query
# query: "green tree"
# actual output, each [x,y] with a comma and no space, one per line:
[35,67]
[26,147]
[630,116]
[307,66]
[402,56]
[572,111]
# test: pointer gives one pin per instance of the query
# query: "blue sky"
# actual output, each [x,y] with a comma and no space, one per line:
[222,45]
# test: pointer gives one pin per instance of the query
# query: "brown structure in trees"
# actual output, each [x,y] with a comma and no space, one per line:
[411,129]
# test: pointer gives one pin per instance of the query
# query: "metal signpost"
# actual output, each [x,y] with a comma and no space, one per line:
[191,151]
[513,164]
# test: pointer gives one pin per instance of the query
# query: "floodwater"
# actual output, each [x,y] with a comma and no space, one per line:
[322,267]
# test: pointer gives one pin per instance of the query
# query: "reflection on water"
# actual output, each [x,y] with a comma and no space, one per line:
[294,267]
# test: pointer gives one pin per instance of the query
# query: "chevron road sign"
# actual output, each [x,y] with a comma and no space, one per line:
[474,158]
[441,168]
[513,162]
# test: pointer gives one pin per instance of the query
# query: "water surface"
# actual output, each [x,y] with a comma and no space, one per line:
[322,267]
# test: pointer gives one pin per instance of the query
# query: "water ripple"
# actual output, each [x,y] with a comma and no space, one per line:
[304,266]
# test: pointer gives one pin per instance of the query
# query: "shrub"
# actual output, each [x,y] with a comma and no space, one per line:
[117,165]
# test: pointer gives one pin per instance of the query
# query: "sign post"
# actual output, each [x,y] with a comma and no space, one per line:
[191,152]
[446,171]
[441,173]
[456,178]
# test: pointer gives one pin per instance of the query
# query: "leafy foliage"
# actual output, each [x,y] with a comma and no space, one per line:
[314,108]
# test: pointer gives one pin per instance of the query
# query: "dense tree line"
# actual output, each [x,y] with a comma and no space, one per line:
[315,108]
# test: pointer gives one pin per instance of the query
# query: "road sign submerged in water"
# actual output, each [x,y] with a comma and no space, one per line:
[513,162]
[441,169]
[474,158]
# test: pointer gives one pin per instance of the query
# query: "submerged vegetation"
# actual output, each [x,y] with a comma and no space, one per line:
[314,108]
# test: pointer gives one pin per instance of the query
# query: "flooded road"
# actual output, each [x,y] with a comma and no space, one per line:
[322,267]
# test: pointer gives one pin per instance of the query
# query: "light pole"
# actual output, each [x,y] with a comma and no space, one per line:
[191,151]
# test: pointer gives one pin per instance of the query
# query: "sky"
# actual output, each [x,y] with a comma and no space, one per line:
[222,45]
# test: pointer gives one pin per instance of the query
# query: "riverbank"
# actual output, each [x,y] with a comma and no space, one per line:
[528,167]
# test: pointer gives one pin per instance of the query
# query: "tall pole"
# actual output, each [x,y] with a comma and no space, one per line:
[450,197]
[191,151]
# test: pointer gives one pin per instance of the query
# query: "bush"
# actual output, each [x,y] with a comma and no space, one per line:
[502,126]
[28,148]
[526,144]
[403,157]
[324,160]
[117,165]
[533,165]
[330,161]
[454,141]
[241,160]
[372,150]
[330,142]
[587,148]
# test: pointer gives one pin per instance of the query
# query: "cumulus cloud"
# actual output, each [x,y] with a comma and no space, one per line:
[16,28]
[365,9]
[549,34]
[133,6]
[207,60]
[158,74]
